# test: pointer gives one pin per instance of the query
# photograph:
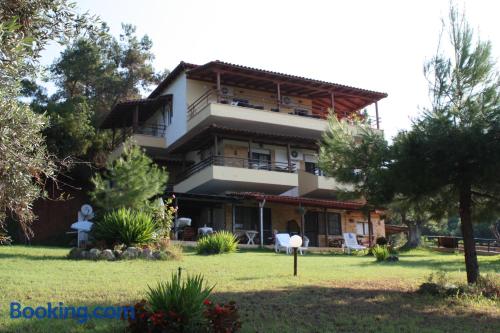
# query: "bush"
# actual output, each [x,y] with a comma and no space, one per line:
[380,252]
[381,241]
[180,303]
[218,242]
[125,226]
[439,284]
[174,252]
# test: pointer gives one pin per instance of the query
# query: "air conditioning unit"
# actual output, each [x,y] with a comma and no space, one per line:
[296,155]
[226,91]
[287,100]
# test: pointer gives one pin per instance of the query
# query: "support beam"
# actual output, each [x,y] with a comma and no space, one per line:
[278,94]
[135,119]
[233,217]
[216,145]
[325,219]
[289,159]
[376,115]
[261,221]
[302,222]
[218,86]
[332,97]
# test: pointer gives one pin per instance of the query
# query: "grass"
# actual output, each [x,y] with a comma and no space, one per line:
[333,293]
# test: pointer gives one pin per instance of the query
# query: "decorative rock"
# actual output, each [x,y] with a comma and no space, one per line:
[131,253]
[107,255]
[94,254]
[85,254]
[158,255]
[75,253]
[118,254]
[147,253]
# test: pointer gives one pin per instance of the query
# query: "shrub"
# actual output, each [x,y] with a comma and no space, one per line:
[219,318]
[218,242]
[125,226]
[381,241]
[179,305]
[380,252]
[223,318]
[174,252]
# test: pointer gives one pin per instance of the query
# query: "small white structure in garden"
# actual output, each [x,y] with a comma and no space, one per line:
[83,226]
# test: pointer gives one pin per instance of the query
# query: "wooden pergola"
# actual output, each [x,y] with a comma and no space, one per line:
[344,100]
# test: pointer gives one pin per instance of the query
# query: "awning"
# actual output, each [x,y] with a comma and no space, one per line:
[122,113]
[307,202]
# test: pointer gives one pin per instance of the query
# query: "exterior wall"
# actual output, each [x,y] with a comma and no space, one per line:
[255,97]
[178,127]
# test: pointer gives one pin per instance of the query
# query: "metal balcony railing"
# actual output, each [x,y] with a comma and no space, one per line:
[237,162]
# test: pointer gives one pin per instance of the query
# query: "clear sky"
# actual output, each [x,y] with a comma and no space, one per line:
[379,45]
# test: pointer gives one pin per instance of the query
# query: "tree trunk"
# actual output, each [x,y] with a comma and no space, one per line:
[414,234]
[370,229]
[471,264]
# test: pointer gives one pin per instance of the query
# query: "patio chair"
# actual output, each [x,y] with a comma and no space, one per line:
[351,243]
[282,241]
[305,245]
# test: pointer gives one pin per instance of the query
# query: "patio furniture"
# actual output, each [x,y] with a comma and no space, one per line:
[205,230]
[351,243]
[188,234]
[305,245]
[282,241]
[250,236]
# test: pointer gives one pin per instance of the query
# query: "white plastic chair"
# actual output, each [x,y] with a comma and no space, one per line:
[305,245]
[282,241]
[351,243]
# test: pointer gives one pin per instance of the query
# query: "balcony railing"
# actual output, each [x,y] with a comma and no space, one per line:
[253,101]
[261,102]
[237,162]
[151,130]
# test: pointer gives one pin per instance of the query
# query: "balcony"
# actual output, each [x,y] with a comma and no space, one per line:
[314,183]
[219,174]
[251,111]
[150,137]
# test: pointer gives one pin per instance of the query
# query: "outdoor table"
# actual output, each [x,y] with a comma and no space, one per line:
[205,230]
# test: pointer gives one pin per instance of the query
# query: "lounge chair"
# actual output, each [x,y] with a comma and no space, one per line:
[282,241]
[351,243]
[305,245]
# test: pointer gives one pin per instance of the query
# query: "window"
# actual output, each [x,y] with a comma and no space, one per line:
[362,228]
[168,114]
[261,159]
[311,167]
[334,224]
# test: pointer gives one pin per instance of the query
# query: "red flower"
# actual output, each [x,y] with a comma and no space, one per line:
[219,309]
[207,302]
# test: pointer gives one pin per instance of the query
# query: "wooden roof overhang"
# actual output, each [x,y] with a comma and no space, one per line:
[306,202]
[122,113]
[198,139]
[347,99]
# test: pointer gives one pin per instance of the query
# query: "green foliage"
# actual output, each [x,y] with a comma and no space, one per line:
[218,242]
[185,298]
[26,27]
[381,241]
[380,252]
[125,226]
[129,181]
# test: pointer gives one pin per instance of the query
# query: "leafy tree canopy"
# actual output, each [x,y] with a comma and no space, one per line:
[129,181]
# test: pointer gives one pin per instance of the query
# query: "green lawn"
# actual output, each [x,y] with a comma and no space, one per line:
[333,293]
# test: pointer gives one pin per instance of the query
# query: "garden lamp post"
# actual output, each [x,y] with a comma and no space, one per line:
[295,243]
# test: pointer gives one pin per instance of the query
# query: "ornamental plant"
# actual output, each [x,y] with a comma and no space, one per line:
[125,226]
[178,304]
[219,242]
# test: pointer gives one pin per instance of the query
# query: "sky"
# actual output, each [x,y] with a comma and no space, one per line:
[378,45]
